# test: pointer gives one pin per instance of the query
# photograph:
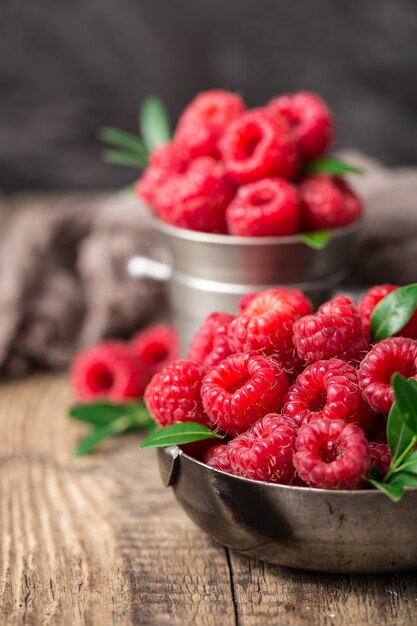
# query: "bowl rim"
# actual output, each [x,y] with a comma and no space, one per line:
[233,240]
[292,488]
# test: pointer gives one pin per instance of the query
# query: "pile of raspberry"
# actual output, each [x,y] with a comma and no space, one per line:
[301,397]
[238,171]
[119,371]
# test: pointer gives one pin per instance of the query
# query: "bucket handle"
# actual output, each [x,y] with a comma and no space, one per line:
[169,462]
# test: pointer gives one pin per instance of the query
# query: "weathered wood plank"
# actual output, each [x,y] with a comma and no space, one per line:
[95,540]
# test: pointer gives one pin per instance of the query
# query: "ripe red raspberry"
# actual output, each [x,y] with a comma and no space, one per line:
[334,331]
[108,370]
[380,457]
[265,451]
[295,297]
[174,394]
[267,207]
[216,457]
[210,344]
[196,199]
[332,455]
[327,202]
[266,326]
[310,120]
[164,162]
[327,389]
[257,145]
[396,354]
[369,301]
[205,119]
[156,347]
[242,389]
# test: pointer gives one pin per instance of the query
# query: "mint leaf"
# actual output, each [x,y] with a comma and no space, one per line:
[317,239]
[393,312]
[394,492]
[123,158]
[399,435]
[406,398]
[328,165]
[178,434]
[101,413]
[121,139]
[410,464]
[404,479]
[153,122]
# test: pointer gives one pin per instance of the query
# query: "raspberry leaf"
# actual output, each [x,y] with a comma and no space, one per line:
[404,479]
[393,312]
[116,427]
[101,413]
[153,122]
[328,165]
[317,239]
[399,435]
[406,398]
[177,434]
[127,142]
[122,158]
[410,464]
[394,492]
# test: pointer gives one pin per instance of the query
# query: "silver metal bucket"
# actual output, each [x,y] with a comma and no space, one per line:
[299,527]
[207,273]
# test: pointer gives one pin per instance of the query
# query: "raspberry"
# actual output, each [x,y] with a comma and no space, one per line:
[205,119]
[326,389]
[265,451]
[380,456]
[174,394]
[257,145]
[164,162]
[242,389]
[369,301]
[108,370]
[295,297]
[210,344]
[310,120]
[156,347]
[332,455]
[196,199]
[266,326]
[327,202]
[268,207]
[216,457]
[334,331]
[396,354]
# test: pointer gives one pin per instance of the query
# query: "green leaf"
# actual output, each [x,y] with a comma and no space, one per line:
[393,312]
[123,158]
[317,239]
[153,122]
[121,139]
[177,434]
[101,413]
[403,479]
[394,492]
[409,464]
[100,434]
[399,435]
[406,399]
[328,165]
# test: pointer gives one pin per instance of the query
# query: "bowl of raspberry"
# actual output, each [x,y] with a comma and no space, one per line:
[306,456]
[244,200]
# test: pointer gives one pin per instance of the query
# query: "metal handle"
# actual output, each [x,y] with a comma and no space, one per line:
[169,462]
[143,267]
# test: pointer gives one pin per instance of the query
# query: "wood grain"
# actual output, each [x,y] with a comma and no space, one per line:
[98,541]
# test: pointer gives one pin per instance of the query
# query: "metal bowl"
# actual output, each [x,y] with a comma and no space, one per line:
[310,529]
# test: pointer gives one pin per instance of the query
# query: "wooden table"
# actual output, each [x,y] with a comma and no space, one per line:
[98,540]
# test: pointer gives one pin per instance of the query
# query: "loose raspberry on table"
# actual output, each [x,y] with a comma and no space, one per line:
[210,344]
[369,301]
[332,455]
[335,331]
[174,394]
[196,199]
[242,389]
[205,119]
[258,145]
[267,207]
[156,347]
[108,370]
[295,297]
[164,162]
[265,451]
[217,458]
[396,354]
[380,457]
[327,202]
[327,389]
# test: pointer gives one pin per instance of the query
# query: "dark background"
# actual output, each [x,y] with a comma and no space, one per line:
[68,66]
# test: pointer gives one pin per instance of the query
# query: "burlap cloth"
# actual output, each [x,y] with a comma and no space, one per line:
[63,279]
